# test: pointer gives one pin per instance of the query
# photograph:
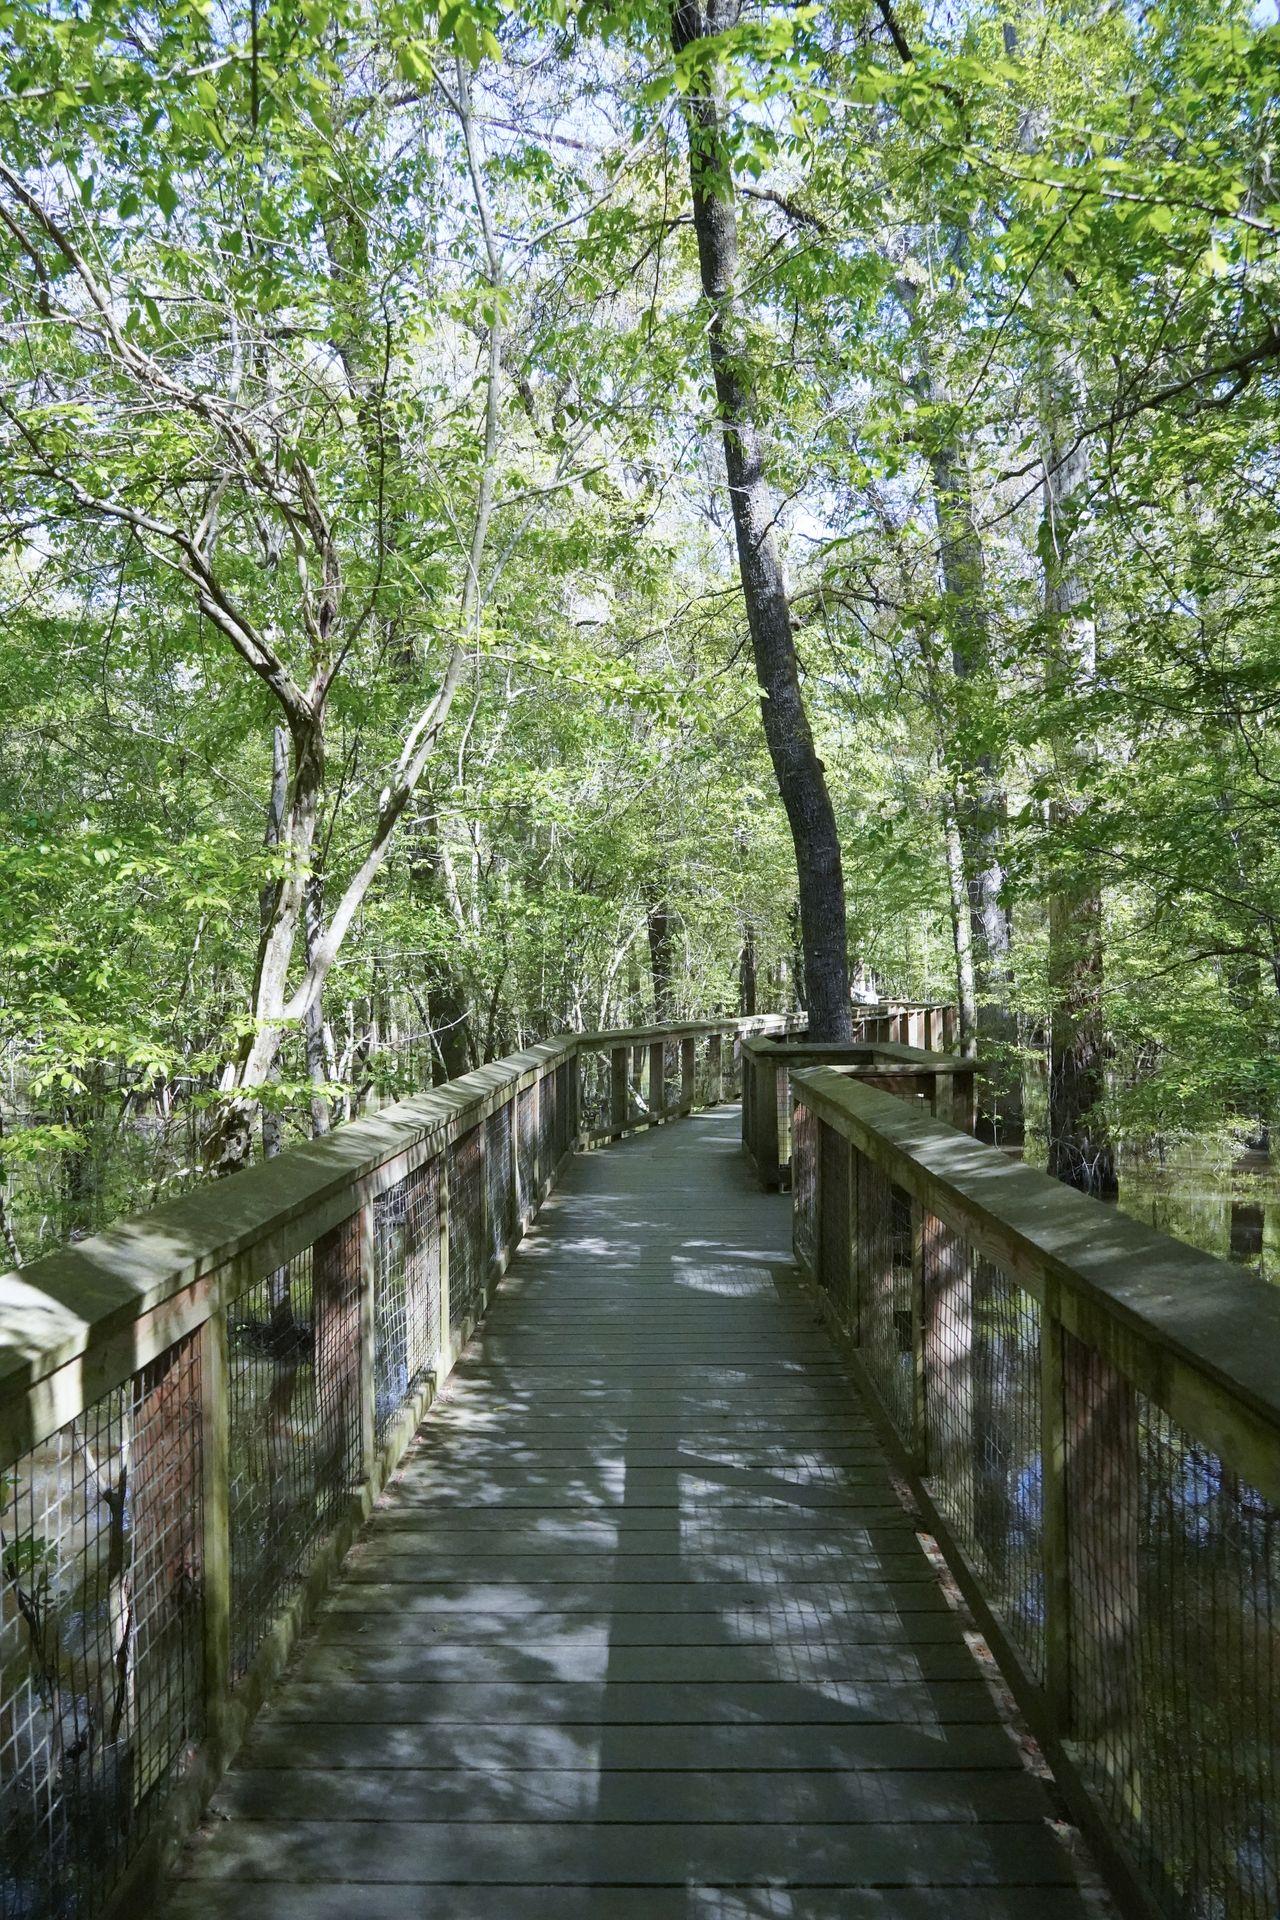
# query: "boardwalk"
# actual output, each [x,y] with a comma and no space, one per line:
[640,1630]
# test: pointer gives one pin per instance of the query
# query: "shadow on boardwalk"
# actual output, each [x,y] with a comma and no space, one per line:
[640,1630]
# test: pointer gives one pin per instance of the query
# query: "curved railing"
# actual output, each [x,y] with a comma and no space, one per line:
[198,1406]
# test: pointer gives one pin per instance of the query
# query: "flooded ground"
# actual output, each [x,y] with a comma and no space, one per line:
[1233,1212]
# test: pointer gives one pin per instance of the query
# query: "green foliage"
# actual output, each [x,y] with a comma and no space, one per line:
[1039,232]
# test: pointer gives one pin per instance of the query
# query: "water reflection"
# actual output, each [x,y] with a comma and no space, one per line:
[1232,1212]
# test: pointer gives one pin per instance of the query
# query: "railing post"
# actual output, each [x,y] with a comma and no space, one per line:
[368,1335]
[442,1201]
[618,1090]
[715,1070]
[215,1498]
[764,1117]
[657,1077]
[835,1202]
[688,1068]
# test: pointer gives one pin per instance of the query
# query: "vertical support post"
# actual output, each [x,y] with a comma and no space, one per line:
[715,1069]
[915,1026]
[445,1358]
[368,1333]
[948,1028]
[836,1200]
[657,1090]
[688,1068]
[215,1498]
[964,1112]
[618,1101]
[764,1117]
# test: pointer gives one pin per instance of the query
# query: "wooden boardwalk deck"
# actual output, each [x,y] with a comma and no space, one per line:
[640,1630]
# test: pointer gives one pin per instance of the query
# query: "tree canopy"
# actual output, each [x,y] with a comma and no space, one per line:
[380,676]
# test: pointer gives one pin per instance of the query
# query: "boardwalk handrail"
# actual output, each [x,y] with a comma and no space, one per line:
[1090,1414]
[945,1081]
[199,1406]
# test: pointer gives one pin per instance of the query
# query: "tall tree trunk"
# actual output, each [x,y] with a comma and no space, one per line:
[747,973]
[961,921]
[797,768]
[1080,1149]
[660,927]
[979,799]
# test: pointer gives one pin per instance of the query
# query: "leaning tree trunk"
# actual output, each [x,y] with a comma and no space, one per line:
[798,770]
[1079,1144]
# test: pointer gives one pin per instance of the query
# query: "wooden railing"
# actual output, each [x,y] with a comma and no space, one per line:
[1089,1413]
[943,1082]
[197,1409]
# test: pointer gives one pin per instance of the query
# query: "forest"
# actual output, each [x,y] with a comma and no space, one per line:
[538,520]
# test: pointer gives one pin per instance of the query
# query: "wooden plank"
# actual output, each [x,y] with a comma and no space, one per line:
[537,1747]
[795,1664]
[516,1854]
[270,1900]
[570,1703]
[838,1797]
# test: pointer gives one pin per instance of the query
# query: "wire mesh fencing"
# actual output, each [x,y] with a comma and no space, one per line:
[1174,1568]
[1134,1573]
[984,1428]
[293,1415]
[548,1102]
[155,1549]
[882,1253]
[406,1291]
[527,1151]
[466,1227]
[566,1083]
[499,1181]
[100,1637]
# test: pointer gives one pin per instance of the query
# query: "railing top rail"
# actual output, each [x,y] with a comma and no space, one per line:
[665,1030]
[54,1310]
[852,1053]
[80,1307]
[1193,1330]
